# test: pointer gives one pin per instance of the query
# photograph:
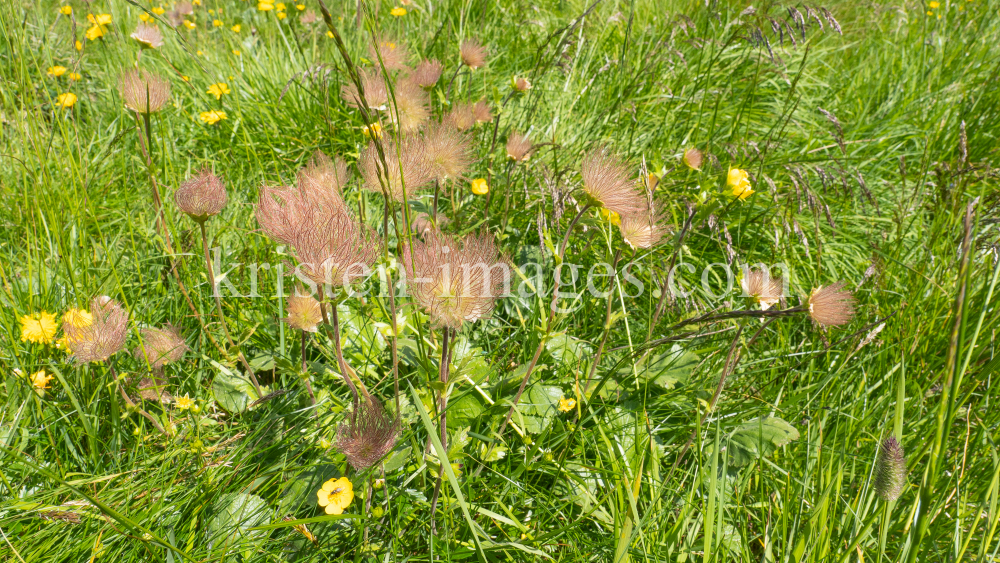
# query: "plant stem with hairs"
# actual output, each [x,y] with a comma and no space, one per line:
[607,327]
[442,405]
[345,370]
[305,372]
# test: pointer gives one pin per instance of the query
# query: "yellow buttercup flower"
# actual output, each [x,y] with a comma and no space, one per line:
[738,181]
[336,495]
[611,216]
[199,53]
[184,403]
[190,24]
[236,28]
[145,17]
[56,71]
[329,34]
[280,6]
[39,327]
[66,100]
[216,23]
[265,6]
[300,7]
[281,15]
[185,78]
[218,90]
[935,5]
[158,11]
[100,19]
[66,10]
[78,45]
[95,32]
[566,405]
[212,117]
[74,76]
[374,131]
[237,52]
[398,11]
[480,187]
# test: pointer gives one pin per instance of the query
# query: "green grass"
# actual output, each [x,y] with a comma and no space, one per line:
[895,193]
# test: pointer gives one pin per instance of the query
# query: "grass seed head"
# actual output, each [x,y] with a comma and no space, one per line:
[890,470]
[202,196]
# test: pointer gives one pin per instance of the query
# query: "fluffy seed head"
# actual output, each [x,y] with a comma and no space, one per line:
[304,312]
[461,117]
[202,196]
[410,163]
[762,287]
[148,35]
[831,305]
[161,346]
[890,470]
[448,152]
[473,53]
[456,281]
[427,73]
[376,91]
[518,147]
[481,112]
[144,92]
[606,180]
[693,158]
[154,389]
[643,230]
[325,175]
[393,54]
[370,435]
[412,106]
[102,338]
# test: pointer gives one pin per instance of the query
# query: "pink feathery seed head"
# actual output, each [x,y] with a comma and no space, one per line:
[456,281]
[427,73]
[412,107]
[473,53]
[481,112]
[104,337]
[607,181]
[143,92]
[278,211]
[643,230]
[282,212]
[369,436]
[831,305]
[148,35]
[334,251]
[423,224]
[202,196]
[462,117]
[161,346]
[154,389]
[304,312]
[376,91]
[409,162]
[394,54]
[448,152]
[518,147]
[331,173]
[763,287]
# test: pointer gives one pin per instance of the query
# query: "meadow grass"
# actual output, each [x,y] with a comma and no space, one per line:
[869,131]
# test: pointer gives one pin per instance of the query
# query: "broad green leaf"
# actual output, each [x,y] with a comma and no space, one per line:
[233,392]
[234,514]
[464,410]
[758,438]
[567,351]
[665,369]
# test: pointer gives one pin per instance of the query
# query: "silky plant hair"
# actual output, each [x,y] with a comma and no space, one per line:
[462,116]
[764,288]
[482,112]
[143,92]
[283,212]
[409,162]
[148,35]
[376,90]
[607,182]
[427,73]
[473,53]
[202,196]
[161,346]
[448,152]
[304,312]
[518,147]
[831,305]
[335,250]
[369,436]
[103,337]
[412,107]
[394,54]
[456,281]
[324,174]
[642,230]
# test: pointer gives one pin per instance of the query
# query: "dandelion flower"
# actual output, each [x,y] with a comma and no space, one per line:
[300,7]
[890,470]
[202,196]
[304,312]
[236,52]
[520,84]
[39,327]
[566,405]
[236,28]
[40,380]
[398,11]
[606,182]
[66,100]
[448,152]
[66,10]
[410,163]
[212,117]
[738,180]
[144,92]
[472,53]
[280,6]
[56,71]
[77,318]
[935,5]
[336,495]
[692,158]
[370,435]
[148,35]
[145,17]
[831,305]
[427,73]
[480,187]
[104,337]
[94,32]
[161,346]
[762,287]
[184,403]
[282,15]
[518,147]
[218,90]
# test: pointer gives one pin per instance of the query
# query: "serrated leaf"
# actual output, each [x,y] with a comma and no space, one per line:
[398,459]
[464,410]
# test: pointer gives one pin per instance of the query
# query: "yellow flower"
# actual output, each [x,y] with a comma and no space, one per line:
[39,327]
[75,76]
[94,32]
[212,117]
[184,403]
[158,11]
[480,187]
[199,53]
[373,131]
[611,216]
[66,100]
[280,6]
[329,34]
[281,15]
[196,2]
[236,52]
[56,71]
[566,405]
[66,10]
[40,380]
[185,78]
[265,6]
[935,5]
[235,28]
[77,318]
[398,11]
[190,24]
[336,495]
[78,45]
[145,17]
[300,7]
[100,19]
[216,23]
[218,90]
[739,181]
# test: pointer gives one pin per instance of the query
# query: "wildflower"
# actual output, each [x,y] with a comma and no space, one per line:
[392,55]
[411,109]
[611,216]
[200,53]
[212,117]
[376,92]
[763,288]
[566,405]
[161,346]
[447,152]
[56,71]
[144,92]
[692,158]
[461,117]
[185,78]
[77,318]
[831,305]
[336,495]
[236,28]
[935,5]
[373,131]
[641,230]
[304,312]
[890,470]
[39,327]
[300,7]
[190,24]
[739,181]
[40,380]
[456,281]
[328,176]
[410,163]
[265,6]
[481,112]
[217,23]
[520,84]
[518,147]
[472,53]
[369,436]
[148,35]
[426,74]
[66,10]
[236,52]
[398,11]
[100,19]
[218,90]
[329,34]
[66,100]
[606,182]
[280,6]
[480,187]
[104,337]
[184,403]
[94,32]
[78,45]
[202,196]
[145,17]
[282,15]
[158,11]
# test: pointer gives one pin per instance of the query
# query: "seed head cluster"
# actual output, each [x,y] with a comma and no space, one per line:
[518,147]
[161,346]
[144,92]
[607,181]
[406,167]
[201,197]
[103,337]
[304,312]
[763,287]
[426,74]
[448,152]
[369,436]
[831,305]
[890,470]
[376,92]
[473,53]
